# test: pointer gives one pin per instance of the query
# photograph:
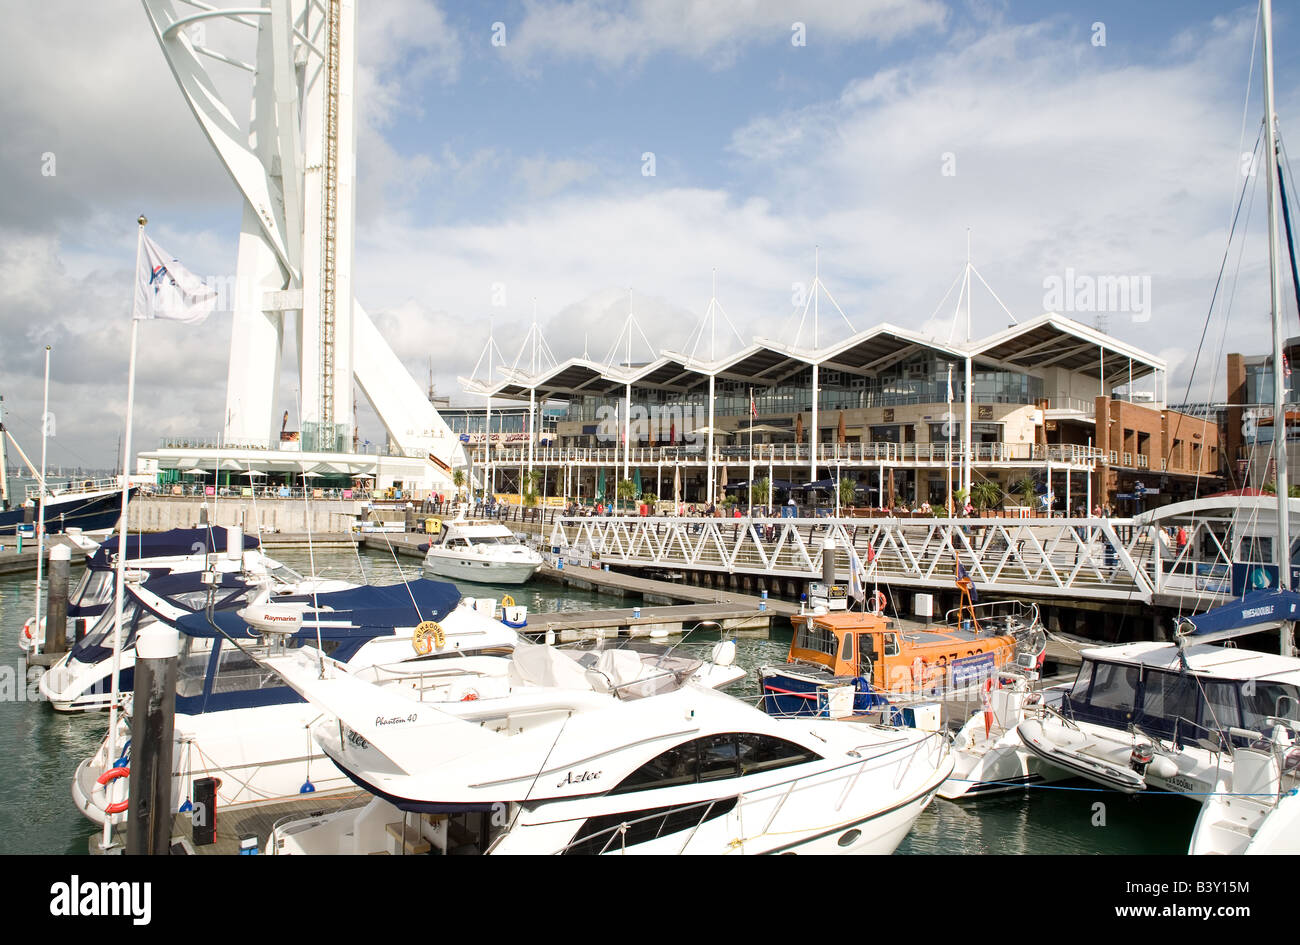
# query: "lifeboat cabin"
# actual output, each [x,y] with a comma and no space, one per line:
[849,663]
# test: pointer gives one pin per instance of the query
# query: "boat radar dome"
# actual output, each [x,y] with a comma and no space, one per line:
[272,618]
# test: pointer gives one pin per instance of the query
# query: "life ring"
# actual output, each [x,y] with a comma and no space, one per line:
[507,601]
[107,778]
[878,602]
[428,636]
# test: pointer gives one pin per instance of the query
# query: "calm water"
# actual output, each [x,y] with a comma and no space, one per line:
[41,750]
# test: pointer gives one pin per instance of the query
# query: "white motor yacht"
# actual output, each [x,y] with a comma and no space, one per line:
[608,751]
[1161,715]
[486,552]
[237,722]
[988,755]
[81,679]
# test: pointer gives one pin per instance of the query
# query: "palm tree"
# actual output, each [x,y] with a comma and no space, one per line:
[848,491]
[529,493]
[762,490]
[1027,490]
[986,494]
[458,480]
[626,490]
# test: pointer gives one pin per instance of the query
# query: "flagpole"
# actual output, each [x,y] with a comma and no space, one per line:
[753,410]
[121,525]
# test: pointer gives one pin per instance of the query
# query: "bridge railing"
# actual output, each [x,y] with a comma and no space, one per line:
[1101,558]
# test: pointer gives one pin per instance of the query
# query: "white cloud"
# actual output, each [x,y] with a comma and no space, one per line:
[621,34]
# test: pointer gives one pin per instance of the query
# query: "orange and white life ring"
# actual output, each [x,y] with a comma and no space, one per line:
[107,778]
[877,603]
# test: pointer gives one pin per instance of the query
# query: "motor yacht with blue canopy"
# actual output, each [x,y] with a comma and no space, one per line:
[239,723]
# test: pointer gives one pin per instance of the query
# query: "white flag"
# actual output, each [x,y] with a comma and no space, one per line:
[166,289]
[856,573]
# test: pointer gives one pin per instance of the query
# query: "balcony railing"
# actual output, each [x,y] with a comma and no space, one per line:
[786,454]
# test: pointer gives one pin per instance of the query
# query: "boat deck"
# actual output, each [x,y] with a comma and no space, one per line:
[256,820]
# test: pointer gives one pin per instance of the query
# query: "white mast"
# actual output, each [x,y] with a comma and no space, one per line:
[4,462]
[1275,296]
[44,494]
[120,589]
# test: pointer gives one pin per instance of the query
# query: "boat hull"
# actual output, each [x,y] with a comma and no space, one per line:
[480,571]
[91,512]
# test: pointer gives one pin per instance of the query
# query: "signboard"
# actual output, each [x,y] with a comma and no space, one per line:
[1248,577]
[464,437]
[969,671]
[889,415]
[1213,578]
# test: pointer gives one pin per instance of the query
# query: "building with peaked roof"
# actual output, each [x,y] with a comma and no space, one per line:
[906,417]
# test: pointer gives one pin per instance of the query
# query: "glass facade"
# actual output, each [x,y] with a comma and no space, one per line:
[921,380]
[504,419]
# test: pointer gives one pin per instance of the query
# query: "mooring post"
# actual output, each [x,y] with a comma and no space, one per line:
[56,600]
[828,561]
[153,717]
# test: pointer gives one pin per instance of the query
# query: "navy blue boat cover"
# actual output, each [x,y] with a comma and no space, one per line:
[177,542]
[1257,607]
[374,611]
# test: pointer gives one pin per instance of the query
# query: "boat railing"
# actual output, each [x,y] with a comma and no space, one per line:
[1023,611]
[73,487]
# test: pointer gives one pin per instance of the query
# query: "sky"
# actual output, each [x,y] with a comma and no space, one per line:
[580,158]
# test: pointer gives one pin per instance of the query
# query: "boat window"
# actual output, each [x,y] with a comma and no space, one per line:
[1169,696]
[1079,692]
[286,575]
[1260,699]
[675,766]
[1219,710]
[486,541]
[846,651]
[239,672]
[607,832]
[718,757]
[891,644]
[1115,686]
[816,638]
[192,667]
[75,596]
[714,757]
[96,588]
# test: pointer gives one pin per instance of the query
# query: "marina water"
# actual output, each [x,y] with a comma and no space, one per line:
[40,749]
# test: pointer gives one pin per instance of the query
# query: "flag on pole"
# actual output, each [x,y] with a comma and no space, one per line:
[753,408]
[857,590]
[166,289]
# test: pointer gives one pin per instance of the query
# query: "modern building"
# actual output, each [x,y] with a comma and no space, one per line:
[1249,422]
[907,418]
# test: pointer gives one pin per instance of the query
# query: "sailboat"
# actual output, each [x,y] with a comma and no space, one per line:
[1212,722]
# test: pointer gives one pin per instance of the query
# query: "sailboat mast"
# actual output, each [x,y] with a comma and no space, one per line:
[1275,302]
[4,461]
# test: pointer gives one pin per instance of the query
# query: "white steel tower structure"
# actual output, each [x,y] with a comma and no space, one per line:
[295,166]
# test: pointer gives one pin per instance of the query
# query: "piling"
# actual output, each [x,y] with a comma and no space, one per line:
[56,600]
[828,561]
[153,719]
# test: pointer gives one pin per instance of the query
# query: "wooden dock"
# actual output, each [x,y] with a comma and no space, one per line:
[653,620]
[13,561]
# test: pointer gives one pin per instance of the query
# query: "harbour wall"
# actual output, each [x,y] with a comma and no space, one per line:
[320,516]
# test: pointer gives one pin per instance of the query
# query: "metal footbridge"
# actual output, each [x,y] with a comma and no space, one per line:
[1103,559]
